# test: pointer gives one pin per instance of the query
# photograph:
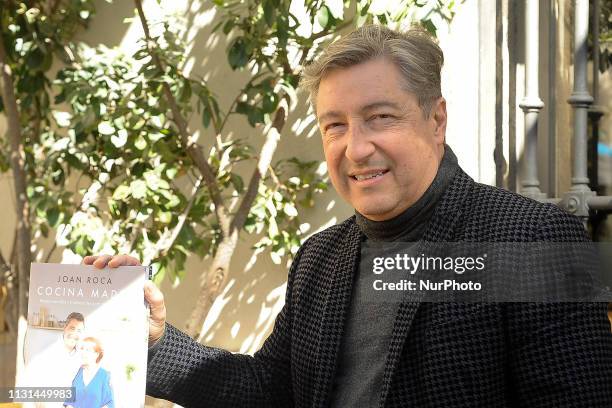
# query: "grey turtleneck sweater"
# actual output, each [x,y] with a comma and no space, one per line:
[368,326]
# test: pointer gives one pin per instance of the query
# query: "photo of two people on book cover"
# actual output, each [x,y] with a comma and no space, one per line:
[87,331]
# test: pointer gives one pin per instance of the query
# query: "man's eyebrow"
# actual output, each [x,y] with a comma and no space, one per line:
[379,104]
[365,108]
[329,115]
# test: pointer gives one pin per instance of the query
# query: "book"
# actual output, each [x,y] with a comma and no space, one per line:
[87,331]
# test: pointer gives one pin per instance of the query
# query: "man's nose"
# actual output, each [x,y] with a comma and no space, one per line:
[359,146]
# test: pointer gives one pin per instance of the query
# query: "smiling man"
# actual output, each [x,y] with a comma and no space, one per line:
[382,117]
[382,149]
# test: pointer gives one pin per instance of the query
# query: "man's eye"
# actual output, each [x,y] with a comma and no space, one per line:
[381,116]
[333,125]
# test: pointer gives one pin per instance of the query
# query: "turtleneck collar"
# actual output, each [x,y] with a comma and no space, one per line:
[410,224]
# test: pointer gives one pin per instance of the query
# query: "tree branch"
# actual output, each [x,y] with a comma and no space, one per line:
[51,251]
[194,152]
[4,266]
[265,158]
[13,256]
[181,219]
[19,176]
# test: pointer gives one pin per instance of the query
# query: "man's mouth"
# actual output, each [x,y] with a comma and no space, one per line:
[368,175]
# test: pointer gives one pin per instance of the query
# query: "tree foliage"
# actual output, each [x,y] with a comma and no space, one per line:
[112,164]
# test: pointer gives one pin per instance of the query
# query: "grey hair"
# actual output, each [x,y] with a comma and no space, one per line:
[415,53]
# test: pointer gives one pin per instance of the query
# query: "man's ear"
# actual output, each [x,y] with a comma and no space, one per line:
[438,115]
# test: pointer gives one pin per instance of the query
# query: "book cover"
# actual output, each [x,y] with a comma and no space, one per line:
[88,330]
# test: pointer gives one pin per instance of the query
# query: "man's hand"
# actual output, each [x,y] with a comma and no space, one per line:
[152,294]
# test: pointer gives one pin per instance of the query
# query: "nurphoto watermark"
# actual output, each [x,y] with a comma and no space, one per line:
[486,272]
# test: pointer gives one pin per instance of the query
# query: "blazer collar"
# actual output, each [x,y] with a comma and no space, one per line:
[337,301]
[444,226]
[441,227]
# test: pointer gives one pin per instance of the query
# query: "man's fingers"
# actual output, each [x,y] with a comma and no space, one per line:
[157,319]
[89,260]
[155,298]
[123,260]
[101,261]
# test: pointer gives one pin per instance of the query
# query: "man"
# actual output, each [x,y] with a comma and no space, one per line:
[382,117]
[56,365]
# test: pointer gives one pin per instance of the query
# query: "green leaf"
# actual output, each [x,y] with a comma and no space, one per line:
[140,143]
[139,168]
[237,182]
[364,10]
[227,27]
[243,108]
[31,15]
[154,182]
[35,59]
[429,26]
[255,116]
[120,139]
[173,200]
[269,12]
[165,217]
[282,28]
[238,56]
[271,210]
[185,94]
[30,85]
[121,193]
[323,16]
[80,245]
[58,175]
[159,275]
[171,172]
[105,128]
[290,210]
[205,117]
[270,102]
[73,161]
[53,215]
[138,189]
[62,118]
[44,229]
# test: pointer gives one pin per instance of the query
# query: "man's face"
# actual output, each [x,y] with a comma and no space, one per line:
[72,333]
[381,152]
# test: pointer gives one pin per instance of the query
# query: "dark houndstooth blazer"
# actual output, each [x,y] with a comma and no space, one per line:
[441,354]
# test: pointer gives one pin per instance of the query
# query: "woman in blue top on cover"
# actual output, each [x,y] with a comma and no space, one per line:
[92,383]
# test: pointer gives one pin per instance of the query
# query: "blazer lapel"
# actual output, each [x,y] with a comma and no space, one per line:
[338,289]
[441,228]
